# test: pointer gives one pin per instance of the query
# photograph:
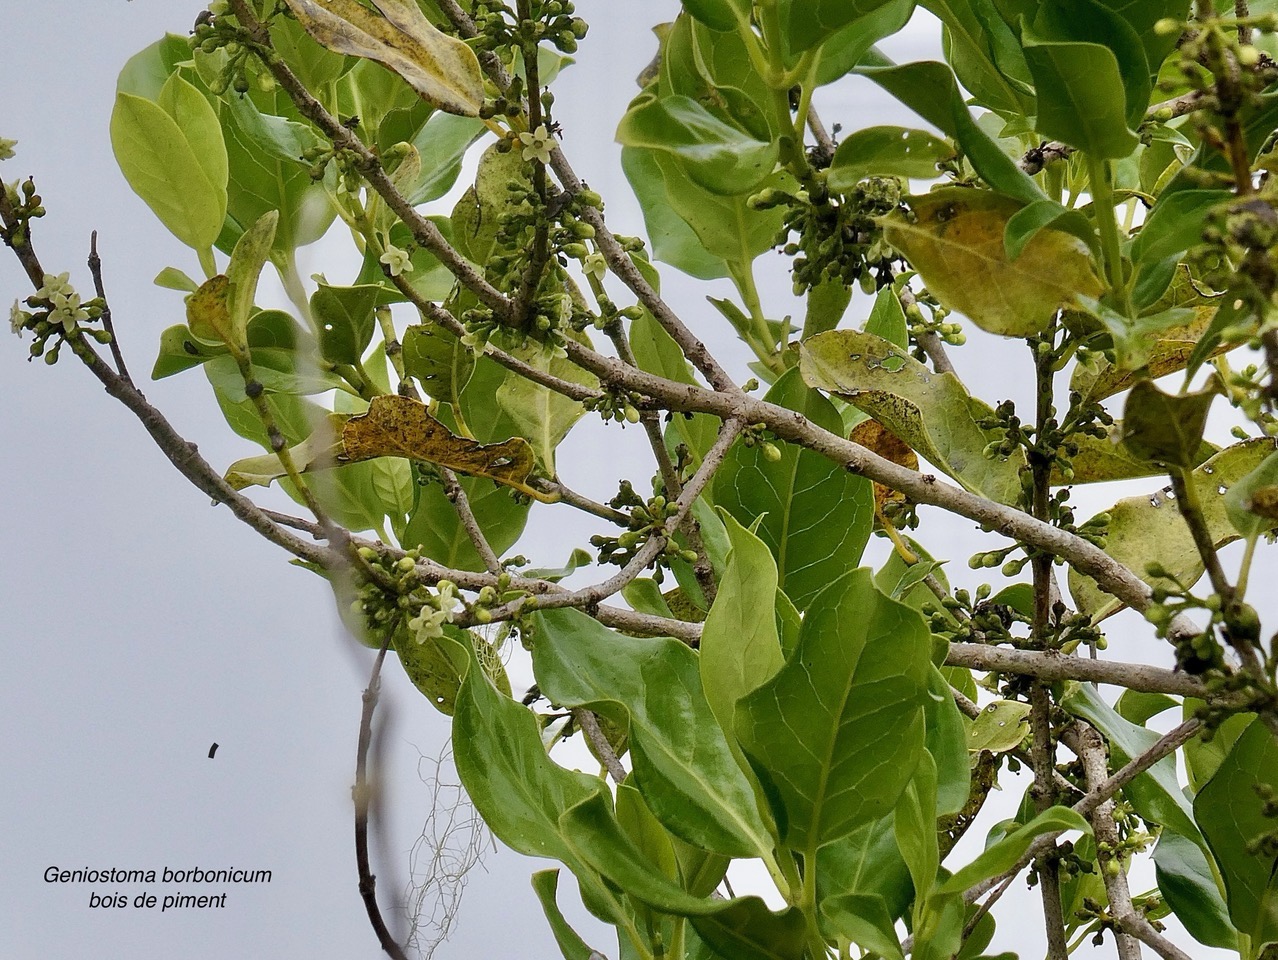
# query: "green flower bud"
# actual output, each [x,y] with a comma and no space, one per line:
[770,451]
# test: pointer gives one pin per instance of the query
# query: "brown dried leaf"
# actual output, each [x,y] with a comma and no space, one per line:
[402,427]
[874,436]
[442,69]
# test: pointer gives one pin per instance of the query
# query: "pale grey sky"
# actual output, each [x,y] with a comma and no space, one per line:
[140,625]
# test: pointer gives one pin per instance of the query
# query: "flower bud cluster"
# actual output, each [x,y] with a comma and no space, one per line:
[218,34]
[616,405]
[27,206]
[936,321]
[837,237]
[648,518]
[550,21]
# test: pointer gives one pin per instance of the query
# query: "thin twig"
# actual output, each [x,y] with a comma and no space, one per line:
[95,268]
[362,794]
[651,424]
[824,142]
[589,725]
[588,597]
[1165,745]
[461,503]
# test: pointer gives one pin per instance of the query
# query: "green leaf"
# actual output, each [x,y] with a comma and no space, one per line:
[1186,882]
[520,792]
[1166,428]
[827,302]
[432,669]
[1148,527]
[743,927]
[345,319]
[545,883]
[930,90]
[947,745]
[722,15]
[986,55]
[933,413]
[171,278]
[812,22]
[816,517]
[1231,810]
[1081,99]
[160,164]
[197,120]
[740,649]
[1155,794]
[247,260]
[1001,726]
[836,735]
[682,761]
[442,69]
[886,151]
[864,919]
[180,350]
[1252,503]
[672,237]
[1003,854]
[542,416]
[955,241]
[841,53]
[717,155]
[868,863]
[915,828]
[692,229]
[146,72]
[260,182]
[1174,225]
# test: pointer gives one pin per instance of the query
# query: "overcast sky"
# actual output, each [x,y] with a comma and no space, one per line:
[140,625]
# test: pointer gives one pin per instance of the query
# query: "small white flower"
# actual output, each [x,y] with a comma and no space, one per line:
[54,286]
[6,148]
[427,625]
[537,144]
[67,310]
[18,318]
[396,261]
[449,605]
[596,266]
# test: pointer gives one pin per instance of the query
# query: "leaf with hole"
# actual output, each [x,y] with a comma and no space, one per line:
[1147,527]
[930,412]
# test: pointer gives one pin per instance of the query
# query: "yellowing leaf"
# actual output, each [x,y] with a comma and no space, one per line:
[402,427]
[1148,528]
[955,241]
[209,315]
[442,69]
